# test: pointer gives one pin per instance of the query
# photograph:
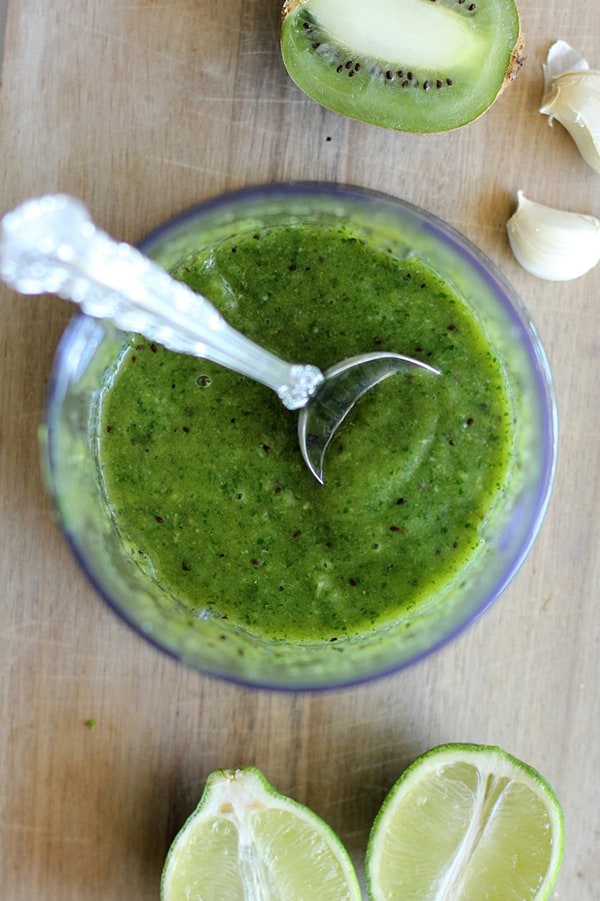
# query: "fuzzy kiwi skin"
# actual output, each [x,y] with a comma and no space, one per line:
[393,116]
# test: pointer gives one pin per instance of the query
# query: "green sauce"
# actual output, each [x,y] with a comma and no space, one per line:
[202,468]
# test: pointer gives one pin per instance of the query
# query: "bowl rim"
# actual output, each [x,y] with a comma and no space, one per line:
[485,267]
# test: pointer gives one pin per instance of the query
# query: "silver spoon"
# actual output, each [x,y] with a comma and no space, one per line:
[50,244]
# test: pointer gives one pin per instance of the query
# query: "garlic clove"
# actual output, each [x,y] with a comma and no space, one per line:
[575,103]
[572,97]
[556,245]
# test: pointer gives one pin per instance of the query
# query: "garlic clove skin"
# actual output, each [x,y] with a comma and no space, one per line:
[555,245]
[572,97]
[561,58]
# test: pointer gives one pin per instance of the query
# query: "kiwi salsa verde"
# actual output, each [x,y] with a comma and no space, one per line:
[202,469]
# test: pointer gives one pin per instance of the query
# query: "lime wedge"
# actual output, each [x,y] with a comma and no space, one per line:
[247,842]
[466,823]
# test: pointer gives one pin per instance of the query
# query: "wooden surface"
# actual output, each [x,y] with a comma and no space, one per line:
[140,109]
[3,16]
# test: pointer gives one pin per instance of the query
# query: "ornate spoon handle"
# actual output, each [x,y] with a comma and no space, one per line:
[51,245]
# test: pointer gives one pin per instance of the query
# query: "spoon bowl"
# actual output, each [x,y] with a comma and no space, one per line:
[342,386]
[50,244]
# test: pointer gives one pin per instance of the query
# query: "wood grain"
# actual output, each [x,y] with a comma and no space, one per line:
[142,108]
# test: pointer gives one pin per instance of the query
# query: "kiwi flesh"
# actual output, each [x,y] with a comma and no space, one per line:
[423,66]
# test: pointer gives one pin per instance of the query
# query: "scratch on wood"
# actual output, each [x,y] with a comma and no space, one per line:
[184,165]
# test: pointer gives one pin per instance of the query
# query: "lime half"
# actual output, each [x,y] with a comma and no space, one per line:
[466,823]
[247,842]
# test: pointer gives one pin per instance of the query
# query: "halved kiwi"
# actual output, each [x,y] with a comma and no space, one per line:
[411,65]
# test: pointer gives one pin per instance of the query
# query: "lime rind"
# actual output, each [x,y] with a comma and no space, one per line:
[247,842]
[470,816]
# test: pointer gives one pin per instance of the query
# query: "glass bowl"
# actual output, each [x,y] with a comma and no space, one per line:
[86,357]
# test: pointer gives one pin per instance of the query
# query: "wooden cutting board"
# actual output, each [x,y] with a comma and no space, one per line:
[141,109]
